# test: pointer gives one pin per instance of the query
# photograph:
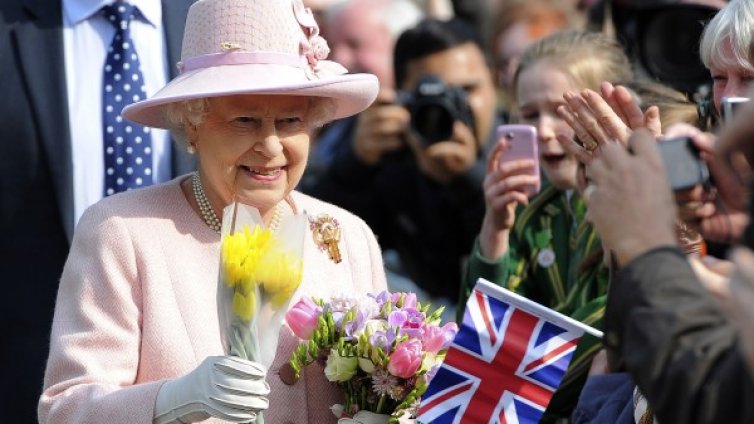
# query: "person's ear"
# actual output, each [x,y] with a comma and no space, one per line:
[192,133]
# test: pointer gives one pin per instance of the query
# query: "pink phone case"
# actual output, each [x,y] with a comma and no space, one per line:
[522,144]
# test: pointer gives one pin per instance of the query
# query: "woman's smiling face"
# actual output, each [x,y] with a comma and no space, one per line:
[539,92]
[252,147]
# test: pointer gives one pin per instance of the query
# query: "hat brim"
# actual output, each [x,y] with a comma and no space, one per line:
[352,92]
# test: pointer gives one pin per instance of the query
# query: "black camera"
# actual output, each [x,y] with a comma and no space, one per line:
[663,37]
[434,107]
[683,164]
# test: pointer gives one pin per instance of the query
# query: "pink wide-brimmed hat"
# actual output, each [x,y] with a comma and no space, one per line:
[255,47]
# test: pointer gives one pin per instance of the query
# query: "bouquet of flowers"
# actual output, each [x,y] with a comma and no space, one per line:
[382,350]
[260,269]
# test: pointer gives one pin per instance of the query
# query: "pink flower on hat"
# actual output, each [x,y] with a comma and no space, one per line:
[315,49]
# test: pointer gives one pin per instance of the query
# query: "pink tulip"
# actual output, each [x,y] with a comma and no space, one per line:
[303,317]
[433,338]
[409,299]
[406,359]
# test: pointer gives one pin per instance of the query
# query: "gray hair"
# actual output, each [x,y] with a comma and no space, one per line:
[192,112]
[396,15]
[400,15]
[733,23]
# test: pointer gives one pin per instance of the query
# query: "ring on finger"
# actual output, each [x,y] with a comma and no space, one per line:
[589,143]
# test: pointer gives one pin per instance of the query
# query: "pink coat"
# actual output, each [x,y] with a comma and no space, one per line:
[137,305]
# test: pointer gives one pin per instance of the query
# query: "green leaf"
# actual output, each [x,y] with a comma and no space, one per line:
[331,327]
[313,349]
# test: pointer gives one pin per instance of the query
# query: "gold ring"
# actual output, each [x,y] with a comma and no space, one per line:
[590,144]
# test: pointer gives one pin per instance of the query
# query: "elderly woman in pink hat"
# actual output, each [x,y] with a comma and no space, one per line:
[135,337]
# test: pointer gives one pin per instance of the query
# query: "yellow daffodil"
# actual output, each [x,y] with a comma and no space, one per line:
[241,252]
[244,305]
[280,274]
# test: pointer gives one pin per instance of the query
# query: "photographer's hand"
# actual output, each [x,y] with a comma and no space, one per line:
[444,160]
[730,218]
[504,188]
[380,129]
[718,213]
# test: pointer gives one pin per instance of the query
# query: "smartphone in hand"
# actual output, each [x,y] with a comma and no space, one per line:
[521,142]
[730,105]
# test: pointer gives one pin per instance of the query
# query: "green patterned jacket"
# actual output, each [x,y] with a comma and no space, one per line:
[555,259]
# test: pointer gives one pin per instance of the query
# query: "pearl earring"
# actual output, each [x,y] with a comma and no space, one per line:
[191,149]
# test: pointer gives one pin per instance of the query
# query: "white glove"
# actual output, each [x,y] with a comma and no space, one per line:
[365,417]
[224,387]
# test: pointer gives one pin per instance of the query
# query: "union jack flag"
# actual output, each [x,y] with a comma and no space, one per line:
[505,362]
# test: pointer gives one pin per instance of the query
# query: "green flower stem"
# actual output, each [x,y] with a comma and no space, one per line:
[381,404]
[363,403]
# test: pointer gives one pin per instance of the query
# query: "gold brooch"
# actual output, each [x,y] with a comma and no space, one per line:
[326,232]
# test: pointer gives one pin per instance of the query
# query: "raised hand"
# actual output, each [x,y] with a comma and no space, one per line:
[504,186]
[599,119]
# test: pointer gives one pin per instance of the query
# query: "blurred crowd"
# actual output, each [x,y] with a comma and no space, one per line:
[605,223]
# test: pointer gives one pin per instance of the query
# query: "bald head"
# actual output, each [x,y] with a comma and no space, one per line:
[366,34]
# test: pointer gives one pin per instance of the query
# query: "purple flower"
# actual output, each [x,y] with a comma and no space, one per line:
[381,298]
[383,340]
[450,330]
[397,318]
[413,324]
[353,327]
[431,373]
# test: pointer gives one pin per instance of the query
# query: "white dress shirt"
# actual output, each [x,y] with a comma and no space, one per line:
[86,37]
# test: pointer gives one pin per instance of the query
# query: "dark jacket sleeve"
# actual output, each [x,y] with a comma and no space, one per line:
[676,343]
[606,398]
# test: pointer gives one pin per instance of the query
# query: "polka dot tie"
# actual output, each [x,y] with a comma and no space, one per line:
[128,147]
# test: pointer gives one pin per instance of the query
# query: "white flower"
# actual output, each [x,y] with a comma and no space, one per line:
[366,365]
[340,368]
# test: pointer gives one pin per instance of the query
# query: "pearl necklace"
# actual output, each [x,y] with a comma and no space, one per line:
[209,215]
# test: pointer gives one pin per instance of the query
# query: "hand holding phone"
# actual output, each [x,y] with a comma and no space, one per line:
[521,143]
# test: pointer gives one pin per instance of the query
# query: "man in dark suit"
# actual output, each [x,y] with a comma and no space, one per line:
[37,189]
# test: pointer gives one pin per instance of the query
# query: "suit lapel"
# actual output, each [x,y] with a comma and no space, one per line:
[39,43]
[174,19]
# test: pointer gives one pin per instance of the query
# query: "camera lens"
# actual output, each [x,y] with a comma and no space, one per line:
[668,45]
[433,122]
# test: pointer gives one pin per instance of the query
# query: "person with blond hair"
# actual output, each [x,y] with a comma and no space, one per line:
[542,247]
